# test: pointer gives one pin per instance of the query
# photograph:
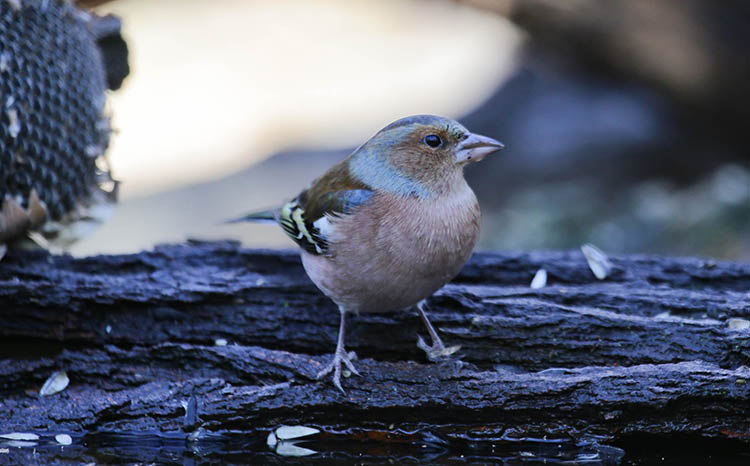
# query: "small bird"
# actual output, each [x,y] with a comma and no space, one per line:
[389,225]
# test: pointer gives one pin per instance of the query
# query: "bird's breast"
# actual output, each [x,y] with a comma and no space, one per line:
[396,251]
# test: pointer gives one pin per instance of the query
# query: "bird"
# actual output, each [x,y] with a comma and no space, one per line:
[388,226]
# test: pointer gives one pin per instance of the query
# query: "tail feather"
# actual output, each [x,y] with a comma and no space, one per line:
[263,216]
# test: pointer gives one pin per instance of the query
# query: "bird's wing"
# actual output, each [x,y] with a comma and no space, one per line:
[336,193]
[308,229]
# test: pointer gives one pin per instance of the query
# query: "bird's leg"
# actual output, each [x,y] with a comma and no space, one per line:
[438,350]
[338,357]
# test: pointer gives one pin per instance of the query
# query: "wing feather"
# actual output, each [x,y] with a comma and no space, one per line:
[335,193]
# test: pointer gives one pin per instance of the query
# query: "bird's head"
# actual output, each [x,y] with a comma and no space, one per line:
[419,155]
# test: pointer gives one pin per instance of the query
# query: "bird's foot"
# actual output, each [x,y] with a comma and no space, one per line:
[438,351]
[340,356]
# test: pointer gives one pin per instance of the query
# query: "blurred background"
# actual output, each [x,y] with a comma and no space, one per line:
[624,122]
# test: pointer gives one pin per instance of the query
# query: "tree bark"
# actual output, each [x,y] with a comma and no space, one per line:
[657,349]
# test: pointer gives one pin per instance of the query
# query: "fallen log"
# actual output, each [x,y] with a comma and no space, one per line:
[202,349]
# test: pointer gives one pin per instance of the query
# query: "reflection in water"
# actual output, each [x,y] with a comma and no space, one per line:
[414,447]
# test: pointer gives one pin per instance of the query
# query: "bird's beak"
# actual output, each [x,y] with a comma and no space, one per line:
[476,147]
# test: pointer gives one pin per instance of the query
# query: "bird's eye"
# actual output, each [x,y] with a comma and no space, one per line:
[433,140]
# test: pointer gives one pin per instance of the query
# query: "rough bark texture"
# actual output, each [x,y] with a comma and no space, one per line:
[650,351]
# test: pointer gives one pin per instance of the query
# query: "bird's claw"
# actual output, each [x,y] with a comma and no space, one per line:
[438,351]
[335,367]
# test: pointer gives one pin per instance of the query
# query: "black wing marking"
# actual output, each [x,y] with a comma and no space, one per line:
[299,225]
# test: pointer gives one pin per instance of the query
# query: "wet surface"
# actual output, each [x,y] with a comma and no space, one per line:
[365,447]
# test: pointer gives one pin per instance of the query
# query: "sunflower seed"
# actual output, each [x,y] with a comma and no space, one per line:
[56,383]
[19,436]
[598,261]
[14,126]
[293,432]
[20,443]
[736,323]
[540,279]
[271,441]
[63,439]
[290,449]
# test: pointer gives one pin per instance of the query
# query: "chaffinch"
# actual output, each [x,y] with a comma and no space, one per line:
[389,225]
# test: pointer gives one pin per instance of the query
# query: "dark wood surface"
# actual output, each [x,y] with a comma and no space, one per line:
[647,352]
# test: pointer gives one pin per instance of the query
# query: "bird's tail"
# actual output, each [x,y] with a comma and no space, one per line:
[262,216]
